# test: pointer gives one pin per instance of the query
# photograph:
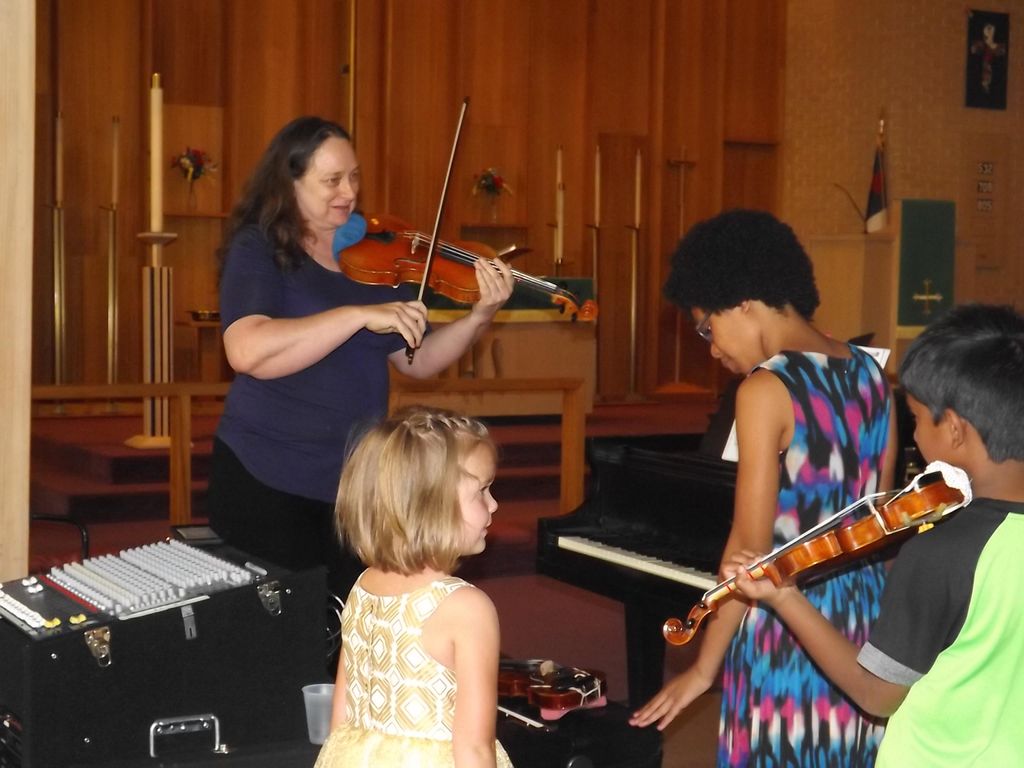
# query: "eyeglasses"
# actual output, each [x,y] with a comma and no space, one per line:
[704,327]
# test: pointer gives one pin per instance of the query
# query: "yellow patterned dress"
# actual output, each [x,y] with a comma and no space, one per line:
[400,700]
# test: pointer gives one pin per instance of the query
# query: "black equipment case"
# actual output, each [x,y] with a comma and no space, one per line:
[583,738]
[225,671]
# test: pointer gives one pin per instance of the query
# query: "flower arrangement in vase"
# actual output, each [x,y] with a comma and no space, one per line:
[491,185]
[194,164]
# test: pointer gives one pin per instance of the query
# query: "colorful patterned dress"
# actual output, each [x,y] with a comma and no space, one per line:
[777,708]
[400,700]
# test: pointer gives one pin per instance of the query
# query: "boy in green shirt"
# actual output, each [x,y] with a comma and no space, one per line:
[945,659]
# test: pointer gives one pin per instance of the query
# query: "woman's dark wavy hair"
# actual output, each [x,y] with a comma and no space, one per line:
[742,255]
[268,200]
[971,361]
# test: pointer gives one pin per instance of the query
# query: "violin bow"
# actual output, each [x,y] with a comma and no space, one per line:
[409,351]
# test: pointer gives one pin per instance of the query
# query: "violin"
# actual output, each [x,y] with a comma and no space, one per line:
[516,675]
[550,686]
[891,517]
[392,252]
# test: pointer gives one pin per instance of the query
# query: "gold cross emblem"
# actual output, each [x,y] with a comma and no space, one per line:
[927,297]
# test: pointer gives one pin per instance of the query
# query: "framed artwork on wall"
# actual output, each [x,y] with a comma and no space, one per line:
[988,55]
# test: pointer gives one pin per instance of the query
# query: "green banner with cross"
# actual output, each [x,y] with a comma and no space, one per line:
[927,245]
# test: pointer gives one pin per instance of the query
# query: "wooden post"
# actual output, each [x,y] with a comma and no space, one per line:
[17,153]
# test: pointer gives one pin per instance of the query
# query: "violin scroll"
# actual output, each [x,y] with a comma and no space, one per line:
[678,632]
[587,311]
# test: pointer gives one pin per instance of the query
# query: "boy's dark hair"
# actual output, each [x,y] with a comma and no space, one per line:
[971,361]
[742,255]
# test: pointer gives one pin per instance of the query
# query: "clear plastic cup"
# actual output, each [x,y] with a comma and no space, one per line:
[319,698]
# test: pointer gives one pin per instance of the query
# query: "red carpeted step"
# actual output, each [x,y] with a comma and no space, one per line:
[84,499]
[82,468]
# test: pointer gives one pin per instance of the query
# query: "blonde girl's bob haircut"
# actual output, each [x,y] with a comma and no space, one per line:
[398,502]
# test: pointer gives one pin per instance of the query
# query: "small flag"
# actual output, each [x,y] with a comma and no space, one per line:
[876,216]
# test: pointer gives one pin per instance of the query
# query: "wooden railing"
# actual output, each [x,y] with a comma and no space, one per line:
[179,397]
[450,391]
[180,400]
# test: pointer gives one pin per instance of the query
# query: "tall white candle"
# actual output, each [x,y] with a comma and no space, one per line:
[597,186]
[114,164]
[636,202]
[58,161]
[156,156]
[560,229]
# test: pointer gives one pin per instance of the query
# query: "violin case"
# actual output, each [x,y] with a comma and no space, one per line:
[598,737]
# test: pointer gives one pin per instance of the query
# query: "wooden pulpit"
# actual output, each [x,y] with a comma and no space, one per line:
[529,339]
[890,283]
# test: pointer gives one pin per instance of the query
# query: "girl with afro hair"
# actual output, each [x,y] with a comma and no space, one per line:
[815,432]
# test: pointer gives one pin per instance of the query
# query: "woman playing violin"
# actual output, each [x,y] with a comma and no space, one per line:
[310,349]
[814,433]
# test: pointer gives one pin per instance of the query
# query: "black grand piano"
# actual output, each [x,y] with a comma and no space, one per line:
[650,534]
[653,527]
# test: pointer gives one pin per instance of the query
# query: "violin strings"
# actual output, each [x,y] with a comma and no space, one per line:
[810,533]
[468,257]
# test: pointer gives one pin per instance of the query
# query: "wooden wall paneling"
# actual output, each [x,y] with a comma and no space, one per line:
[193,256]
[323,55]
[97,50]
[262,94]
[194,126]
[188,51]
[369,81]
[701,107]
[284,60]
[43,191]
[618,65]
[661,74]
[494,68]
[422,102]
[693,115]
[681,117]
[754,62]
[655,177]
[752,174]
[618,161]
[619,69]
[557,45]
